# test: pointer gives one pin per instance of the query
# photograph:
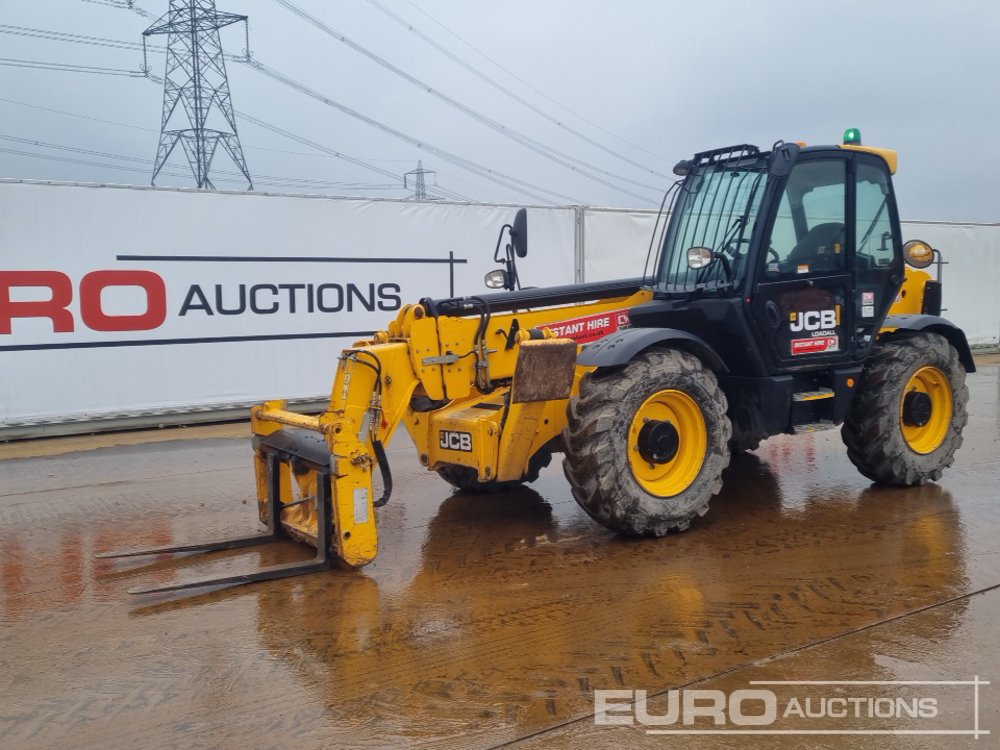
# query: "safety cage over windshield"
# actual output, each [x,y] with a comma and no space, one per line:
[714,213]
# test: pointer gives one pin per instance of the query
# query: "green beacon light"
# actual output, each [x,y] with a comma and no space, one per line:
[852,136]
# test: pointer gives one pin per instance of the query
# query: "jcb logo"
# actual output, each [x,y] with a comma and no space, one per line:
[814,320]
[456,441]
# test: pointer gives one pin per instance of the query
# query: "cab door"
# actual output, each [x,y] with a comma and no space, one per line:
[877,249]
[800,306]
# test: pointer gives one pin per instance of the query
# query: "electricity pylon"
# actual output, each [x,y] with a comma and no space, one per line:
[196,79]
[420,186]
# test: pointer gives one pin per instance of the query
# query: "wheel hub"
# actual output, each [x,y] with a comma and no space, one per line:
[917,409]
[667,442]
[926,409]
[659,441]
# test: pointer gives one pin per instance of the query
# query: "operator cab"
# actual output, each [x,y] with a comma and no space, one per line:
[805,240]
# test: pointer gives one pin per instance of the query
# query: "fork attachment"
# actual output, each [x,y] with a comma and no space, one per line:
[324,532]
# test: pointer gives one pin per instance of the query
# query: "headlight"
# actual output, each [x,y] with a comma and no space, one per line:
[918,253]
[496,279]
[699,257]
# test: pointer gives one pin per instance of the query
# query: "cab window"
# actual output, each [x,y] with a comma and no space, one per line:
[809,234]
[874,227]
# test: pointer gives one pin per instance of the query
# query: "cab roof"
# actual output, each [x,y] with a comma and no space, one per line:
[891,156]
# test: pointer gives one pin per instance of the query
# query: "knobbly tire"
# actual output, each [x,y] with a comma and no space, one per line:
[874,430]
[466,479]
[600,427]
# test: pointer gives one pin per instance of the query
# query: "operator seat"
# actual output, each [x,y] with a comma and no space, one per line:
[818,249]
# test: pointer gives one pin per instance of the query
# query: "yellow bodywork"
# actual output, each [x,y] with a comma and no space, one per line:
[910,299]
[434,358]
[890,155]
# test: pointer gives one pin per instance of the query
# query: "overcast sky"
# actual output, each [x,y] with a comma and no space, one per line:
[651,81]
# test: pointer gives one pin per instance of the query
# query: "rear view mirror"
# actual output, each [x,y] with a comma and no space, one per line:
[519,233]
[506,277]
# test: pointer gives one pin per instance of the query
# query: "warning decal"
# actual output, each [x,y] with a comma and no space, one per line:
[591,327]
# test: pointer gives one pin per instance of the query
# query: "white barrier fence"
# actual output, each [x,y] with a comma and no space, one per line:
[126,306]
[122,303]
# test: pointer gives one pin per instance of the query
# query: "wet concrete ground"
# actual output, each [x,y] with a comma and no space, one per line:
[490,621]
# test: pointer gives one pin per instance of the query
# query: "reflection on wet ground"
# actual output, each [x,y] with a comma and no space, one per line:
[485,620]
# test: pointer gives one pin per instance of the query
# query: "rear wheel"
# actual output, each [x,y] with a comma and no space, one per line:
[466,478]
[646,445]
[906,421]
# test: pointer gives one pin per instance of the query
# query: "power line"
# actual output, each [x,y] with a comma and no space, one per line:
[562,159]
[538,91]
[70,160]
[277,181]
[503,89]
[110,3]
[485,172]
[272,128]
[74,114]
[329,153]
[281,182]
[62,36]
[306,142]
[437,192]
[101,165]
[68,68]
[52,110]
[152,130]
[285,134]
[123,5]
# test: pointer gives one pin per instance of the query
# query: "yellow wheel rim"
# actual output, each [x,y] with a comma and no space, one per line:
[928,437]
[676,475]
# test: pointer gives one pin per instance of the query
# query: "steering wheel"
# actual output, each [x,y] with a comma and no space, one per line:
[772,252]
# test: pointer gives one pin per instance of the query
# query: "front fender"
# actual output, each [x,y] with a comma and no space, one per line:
[622,347]
[894,324]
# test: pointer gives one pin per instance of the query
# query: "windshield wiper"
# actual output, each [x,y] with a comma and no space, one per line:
[871,227]
[738,223]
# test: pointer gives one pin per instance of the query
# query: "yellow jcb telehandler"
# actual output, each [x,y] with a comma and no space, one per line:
[782,299]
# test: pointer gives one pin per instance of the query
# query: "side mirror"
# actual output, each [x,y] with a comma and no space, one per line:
[506,277]
[519,233]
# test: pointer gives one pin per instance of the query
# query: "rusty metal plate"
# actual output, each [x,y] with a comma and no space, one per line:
[544,371]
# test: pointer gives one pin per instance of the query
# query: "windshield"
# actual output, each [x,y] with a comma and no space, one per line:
[716,208]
